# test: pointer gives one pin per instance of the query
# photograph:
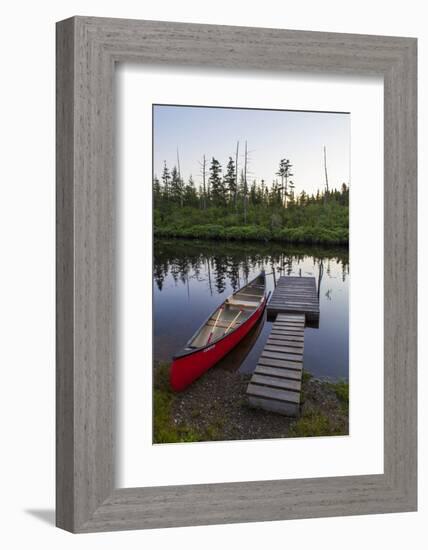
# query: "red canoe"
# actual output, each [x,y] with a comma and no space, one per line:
[220,333]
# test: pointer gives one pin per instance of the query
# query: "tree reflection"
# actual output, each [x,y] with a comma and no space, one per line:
[222,263]
[320,274]
[233,273]
[220,269]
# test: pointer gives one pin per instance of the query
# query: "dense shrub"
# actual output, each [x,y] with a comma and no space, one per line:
[247,233]
[314,223]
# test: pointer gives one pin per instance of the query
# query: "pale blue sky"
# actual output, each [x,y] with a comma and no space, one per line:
[271,135]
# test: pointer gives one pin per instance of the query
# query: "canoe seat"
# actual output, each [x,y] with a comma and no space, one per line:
[219,324]
[243,303]
[244,294]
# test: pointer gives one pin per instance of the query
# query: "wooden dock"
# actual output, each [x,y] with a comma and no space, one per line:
[277,379]
[295,295]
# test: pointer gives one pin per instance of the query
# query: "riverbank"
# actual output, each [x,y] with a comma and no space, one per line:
[251,249]
[293,235]
[215,408]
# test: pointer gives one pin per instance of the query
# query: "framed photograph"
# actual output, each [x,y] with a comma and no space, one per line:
[236,274]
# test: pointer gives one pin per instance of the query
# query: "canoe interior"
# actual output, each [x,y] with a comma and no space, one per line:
[231,314]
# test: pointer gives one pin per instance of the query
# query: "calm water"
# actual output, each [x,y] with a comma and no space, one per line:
[191,278]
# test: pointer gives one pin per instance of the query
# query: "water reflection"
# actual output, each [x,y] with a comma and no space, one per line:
[191,278]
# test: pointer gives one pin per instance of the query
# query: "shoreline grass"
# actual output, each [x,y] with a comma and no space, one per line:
[296,235]
[164,428]
[314,422]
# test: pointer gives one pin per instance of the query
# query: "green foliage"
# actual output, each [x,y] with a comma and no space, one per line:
[341,389]
[190,195]
[312,235]
[217,185]
[247,233]
[164,429]
[306,376]
[230,181]
[230,212]
[284,172]
[298,235]
[315,424]
[176,187]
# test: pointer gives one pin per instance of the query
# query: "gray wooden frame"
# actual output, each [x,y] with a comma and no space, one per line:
[87,50]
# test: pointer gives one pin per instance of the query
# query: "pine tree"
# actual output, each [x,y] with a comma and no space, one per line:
[176,186]
[157,197]
[284,172]
[345,194]
[217,188]
[275,195]
[291,193]
[190,195]
[166,178]
[262,191]
[253,192]
[230,181]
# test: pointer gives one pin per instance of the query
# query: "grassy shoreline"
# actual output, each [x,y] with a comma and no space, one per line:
[215,408]
[294,235]
[164,428]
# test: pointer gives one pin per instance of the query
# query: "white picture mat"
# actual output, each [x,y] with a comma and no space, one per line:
[140,463]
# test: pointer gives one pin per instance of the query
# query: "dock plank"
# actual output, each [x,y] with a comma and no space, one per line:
[296,347]
[273,393]
[287,332]
[273,382]
[270,362]
[282,322]
[294,328]
[289,343]
[280,356]
[280,328]
[283,329]
[286,337]
[286,350]
[278,407]
[280,373]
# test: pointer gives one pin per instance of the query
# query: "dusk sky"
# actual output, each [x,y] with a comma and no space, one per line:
[271,135]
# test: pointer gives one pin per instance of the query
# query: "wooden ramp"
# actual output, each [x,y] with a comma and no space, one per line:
[295,295]
[277,378]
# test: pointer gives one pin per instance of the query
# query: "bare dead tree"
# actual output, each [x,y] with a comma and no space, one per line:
[178,164]
[209,275]
[236,176]
[179,179]
[203,166]
[326,176]
[245,183]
